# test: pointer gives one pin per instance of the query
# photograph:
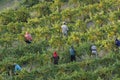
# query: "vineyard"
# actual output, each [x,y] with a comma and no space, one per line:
[89,22]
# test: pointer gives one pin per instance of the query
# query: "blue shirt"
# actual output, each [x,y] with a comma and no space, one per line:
[17,67]
[117,42]
[72,52]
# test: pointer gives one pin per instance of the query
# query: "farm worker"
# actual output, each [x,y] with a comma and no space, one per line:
[64,29]
[72,53]
[17,68]
[55,58]
[28,37]
[117,43]
[94,50]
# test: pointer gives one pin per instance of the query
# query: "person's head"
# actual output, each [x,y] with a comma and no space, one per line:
[27,32]
[71,47]
[92,44]
[15,64]
[116,39]
[64,23]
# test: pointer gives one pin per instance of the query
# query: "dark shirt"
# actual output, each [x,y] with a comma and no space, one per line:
[56,59]
[117,42]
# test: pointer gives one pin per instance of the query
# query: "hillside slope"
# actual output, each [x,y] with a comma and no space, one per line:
[89,22]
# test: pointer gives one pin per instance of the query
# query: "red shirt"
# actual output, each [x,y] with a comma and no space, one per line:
[55,54]
[28,37]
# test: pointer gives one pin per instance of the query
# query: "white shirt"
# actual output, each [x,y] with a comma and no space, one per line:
[93,48]
[64,28]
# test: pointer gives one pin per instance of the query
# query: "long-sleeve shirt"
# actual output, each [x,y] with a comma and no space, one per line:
[117,42]
[94,49]
[64,28]
[72,51]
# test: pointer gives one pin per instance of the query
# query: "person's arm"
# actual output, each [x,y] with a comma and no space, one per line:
[30,37]
[119,43]
[67,27]
[26,37]
[115,42]
[75,51]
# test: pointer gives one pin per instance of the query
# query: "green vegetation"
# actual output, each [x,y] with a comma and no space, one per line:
[89,21]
